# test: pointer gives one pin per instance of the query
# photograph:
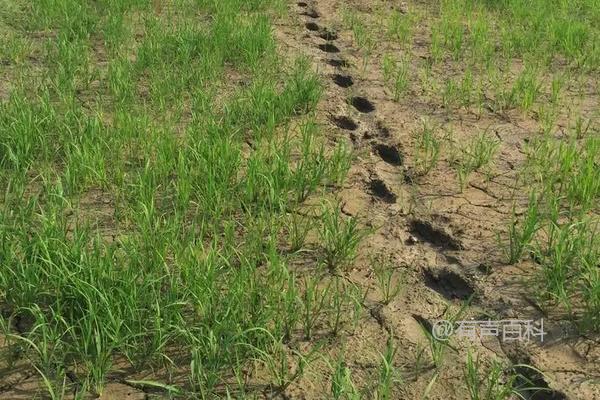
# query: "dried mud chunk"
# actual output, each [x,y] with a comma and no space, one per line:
[382,191]
[329,48]
[389,154]
[383,130]
[409,176]
[121,391]
[435,235]
[380,315]
[424,322]
[450,284]
[344,122]
[311,26]
[311,13]
[328,35]
[344,81]
[362,104]
[339,63]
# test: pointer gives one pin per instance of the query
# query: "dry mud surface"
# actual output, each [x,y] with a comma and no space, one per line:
[444,240]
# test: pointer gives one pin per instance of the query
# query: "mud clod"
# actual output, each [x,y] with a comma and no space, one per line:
[329,48]
[383,130]
[362,104]
[344,123]
[344,81]
[449,284]
[410,177]
[311,13]
[382,191]
[338,63]
[424,322]
[434,235]
[389,154]
[311,26]
[328,35]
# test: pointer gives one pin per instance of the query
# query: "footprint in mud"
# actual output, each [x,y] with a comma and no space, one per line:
[344,122]
[328,35]
[329,48]
[311,26]
[311,13]
[450,284]
[381,190]
[344,81]
[338,63]
[434,235]
[362,104]
[389,154]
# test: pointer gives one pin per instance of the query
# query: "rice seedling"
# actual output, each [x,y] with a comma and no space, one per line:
[437,348]
[474,155]
[314,301]
[190,217]
[582,126]
[563,194]
[340,237]
[363,35]
[388,374]
[400,27]
[282,366]
[428,147]
[452,32]
[526,88]
[298,228]
[481,45]
[390,284]
[493,384]
[521,234]
[342,386]
[340,301]
[158,158]
[340,161]
[396,75]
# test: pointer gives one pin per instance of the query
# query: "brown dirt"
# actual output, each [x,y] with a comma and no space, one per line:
[442,238]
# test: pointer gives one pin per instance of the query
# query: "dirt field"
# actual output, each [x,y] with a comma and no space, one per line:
[288,199]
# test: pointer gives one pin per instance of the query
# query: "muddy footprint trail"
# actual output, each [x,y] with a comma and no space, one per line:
[441,242]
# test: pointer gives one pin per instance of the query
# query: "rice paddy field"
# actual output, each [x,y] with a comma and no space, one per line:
[276,199]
